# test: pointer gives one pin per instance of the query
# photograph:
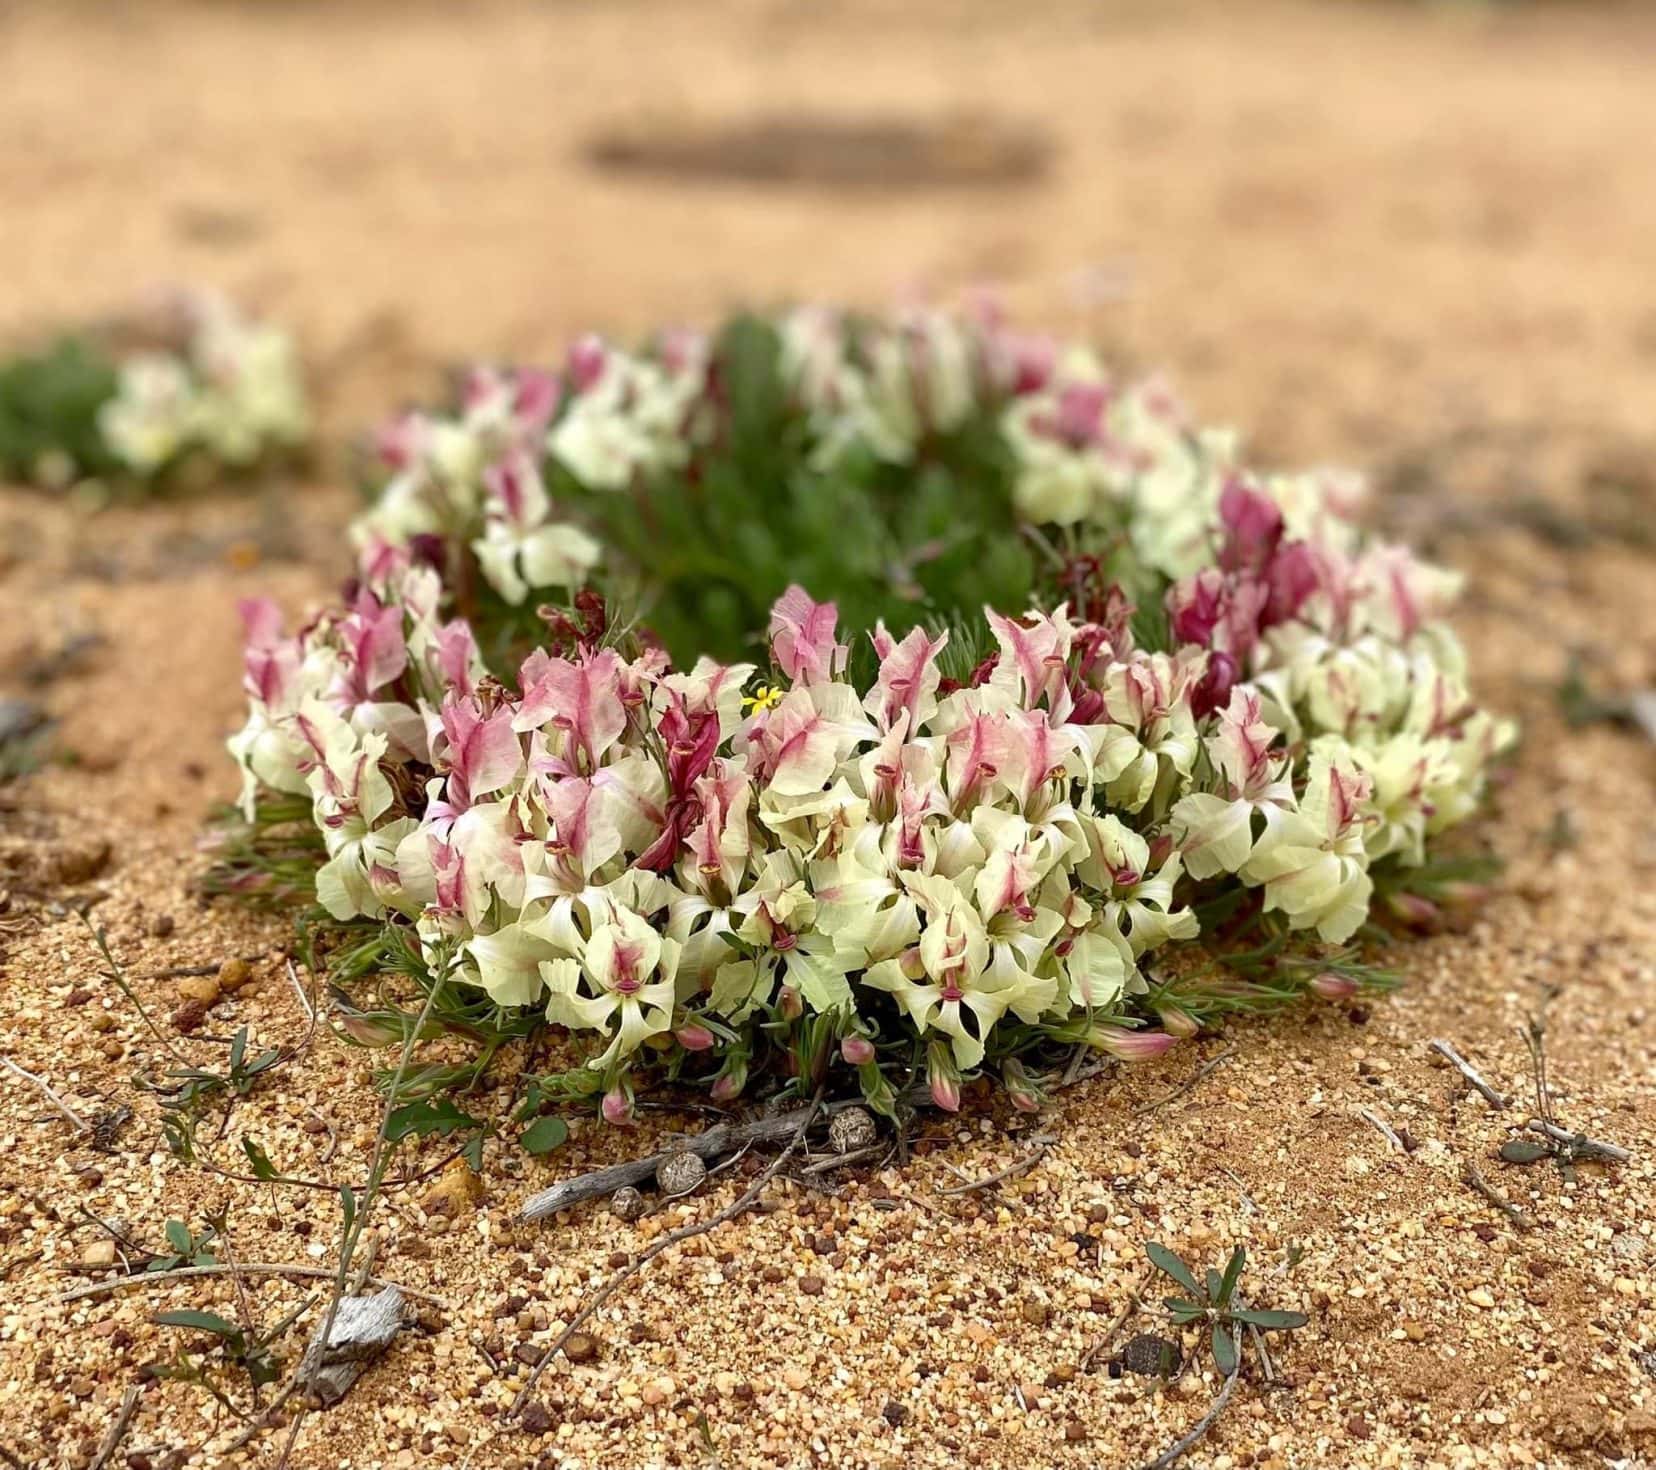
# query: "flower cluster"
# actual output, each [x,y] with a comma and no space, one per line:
[230,389]
[870,848]
[184,379]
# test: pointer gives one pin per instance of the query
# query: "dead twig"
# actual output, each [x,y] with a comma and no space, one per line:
[1369,1116]
[241,1268]
[1134,1304]
[1579,1144]
[804,1118]
[1447,1051]
[1185,1086]
[1473,1179]
[1022,1166]
[1176,1451]
[117,1430]
[46,1091]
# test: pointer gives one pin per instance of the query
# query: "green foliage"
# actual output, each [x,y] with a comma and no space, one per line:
[49,403]
[1214,1302]
[911,544]
[184,1248]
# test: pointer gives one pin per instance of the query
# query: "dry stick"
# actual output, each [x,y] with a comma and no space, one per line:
[708,1144]
[1185,1086]
[805,1116]
[1023,1165]
[1368,1115]
[1589,1147]
[242,1268]
[1445,1050]
[47,1092]
[1114,1329]
[117,1430]
[1475,1180]
[1175,1452]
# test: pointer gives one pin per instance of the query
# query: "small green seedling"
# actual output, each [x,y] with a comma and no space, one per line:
[1213,1300]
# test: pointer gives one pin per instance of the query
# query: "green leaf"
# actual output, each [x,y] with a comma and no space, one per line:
[472,1153]
[544,1135]
[1224,1349]
[439,1117]
[1271,1321]
[259,1160]
[1170,1265]
[1233,1273]
[179,1237]
[201,1322]
[1524,1151]
[347,1205]
[1214,1283]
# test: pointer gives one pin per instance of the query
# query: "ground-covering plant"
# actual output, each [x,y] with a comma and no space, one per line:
[189,380]
[901,697]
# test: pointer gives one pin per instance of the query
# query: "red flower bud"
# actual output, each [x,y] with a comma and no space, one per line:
[618,1105]
[1130,1046]
[857,1050]
[694,1037]
[1334,987]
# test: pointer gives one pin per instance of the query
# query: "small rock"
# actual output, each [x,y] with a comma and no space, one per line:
[99,1254]
[1035,1313]
[456,1192]
[680,1173]
[795,1378]
[1414,1331]
[162,926]
[1357,1427]
[233,974]
[1150,1355]
[527,1354]
[1479,1297]
[78,996]
[627,1203]
[188,1018]
[203,989]
[1075,1432]
[536,1418]
[894,1413]
[657,1391]
[582,1347]
[851,1129]
[811,1285]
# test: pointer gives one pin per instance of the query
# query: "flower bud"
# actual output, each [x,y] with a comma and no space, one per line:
[1334,987]
[1414,910]
[1129,1046]
[695,1037]
[857,1049]
[788,1002]
[1025,1093]
[618,1105]
[1178,1022]
[728,1085]
[1471,895]
[943,1077]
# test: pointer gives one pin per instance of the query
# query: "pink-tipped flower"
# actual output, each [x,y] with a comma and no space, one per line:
[1334,987]
[728,1085]
[1177,1022]
[1026,1094]
[857,1050]
[943,1077]
[1414,910]
[695,1038]
[618,1105]
[1130,1046]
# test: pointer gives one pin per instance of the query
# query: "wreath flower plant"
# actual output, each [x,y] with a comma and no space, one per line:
[189,381]
[976,708]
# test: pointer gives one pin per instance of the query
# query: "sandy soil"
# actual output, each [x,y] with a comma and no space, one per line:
[1411,238]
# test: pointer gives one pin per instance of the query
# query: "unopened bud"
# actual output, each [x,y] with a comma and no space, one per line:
[1411,908]
[1130,1046]
[618,1105]
[695,1038]
[789,1003]
[857,1050]
[943,1077]
[1331,986]
[1178,1022]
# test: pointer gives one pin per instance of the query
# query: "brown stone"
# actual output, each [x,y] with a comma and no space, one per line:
[581,1347]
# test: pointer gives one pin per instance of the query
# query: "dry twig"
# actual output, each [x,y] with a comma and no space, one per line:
[117,1430]
[1175,1452]
[48,1093]
[1475,1180]
[241,1268]
[1447,1051]
[1185,1086]
[1022,1166]
[805,1117]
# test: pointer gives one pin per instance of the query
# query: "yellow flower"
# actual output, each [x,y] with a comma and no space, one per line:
[766,696]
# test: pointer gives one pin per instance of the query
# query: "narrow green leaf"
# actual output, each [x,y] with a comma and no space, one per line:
[178,1237]
[259,1160]
[1271,1321]
[1524,1151]
[201,1322]
[1233,1274]
[1169,1264]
